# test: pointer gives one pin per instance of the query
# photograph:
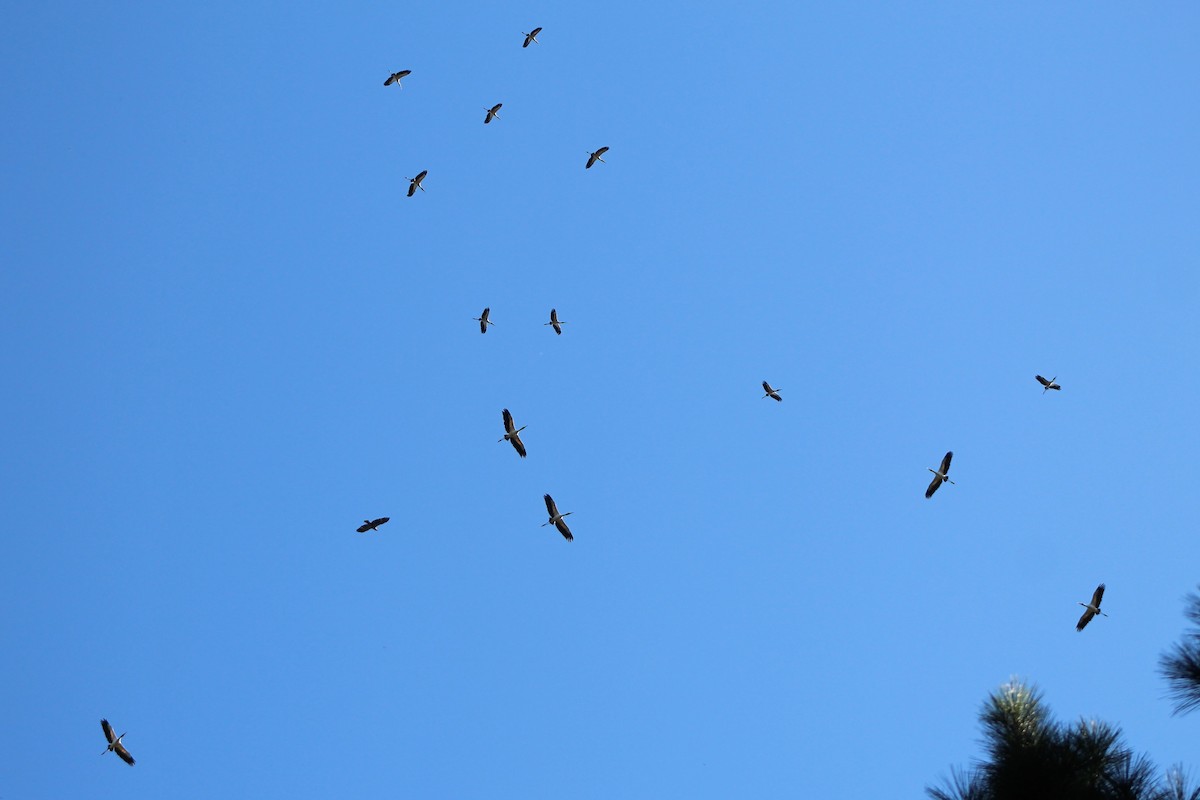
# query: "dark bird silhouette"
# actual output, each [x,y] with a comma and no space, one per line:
[415,183]
[1092,608]
[492,113]
[771,393]
[555,322]
[483,320]
[556,519]
[512,434]
[594,157]
[939,475]
[531,36]
[1048,384]
[114,743]
[396,77]
[372,524]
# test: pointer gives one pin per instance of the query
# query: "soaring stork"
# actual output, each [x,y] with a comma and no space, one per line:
[1092,608]
[114,743]
[939,475]
[372,524]
[492,113]
[531,36]
[556,519]
[512,434]
[396,77]
[483,320]
[555,322]
[415,183]
[594,157]
[771,393]
[1049,384]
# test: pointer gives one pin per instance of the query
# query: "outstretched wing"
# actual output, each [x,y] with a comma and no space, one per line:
[1085,619]
[1042,380]
[412,188]
[123,753]
[553,509]
[390,80]
[108,731]
[945,469]
[366,526]
[518,444]
[933,486]
[564,530]
[601,151]
[557,327]
[1097,596]
[535,31]
[553,315]
[508,422]
[421,175]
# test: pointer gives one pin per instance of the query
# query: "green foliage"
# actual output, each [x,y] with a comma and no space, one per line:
[1181,664]
[1030,756]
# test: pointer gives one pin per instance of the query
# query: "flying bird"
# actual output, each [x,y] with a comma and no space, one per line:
[556,519]
[396,77]
[939,475]
[483,320]
[114,743]
[513,435]
[771,393]
[555,322]
[415,183]
[372,524]
[492,113]
[594,157]
[1049,384]
[531,36]
[1093,608]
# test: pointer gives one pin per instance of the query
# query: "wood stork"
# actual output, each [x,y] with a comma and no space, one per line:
[483,320]
[555,322]
[512,434]
[492,113]
[372,524]
[939,475]
[531,36]
[556,519]
[114,743]
[415,183]
[771,393]
[1049,384]
[396,77]
[1092,608]
[594,157]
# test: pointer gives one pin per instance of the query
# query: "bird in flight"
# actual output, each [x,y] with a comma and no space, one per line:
[594,157]
[771,393]
[1049,384]
[512,434]
[114,743]
[1091,609]
[556,519]
[939,475]
[483,320]
[555,322]
[531,36]
[415,183]
[492,113]
[396,77]
[372,524]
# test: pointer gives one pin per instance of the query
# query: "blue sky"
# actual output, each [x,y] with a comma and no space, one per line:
[230,337]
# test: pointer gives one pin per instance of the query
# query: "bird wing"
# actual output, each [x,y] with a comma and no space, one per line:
[404,73]
[554,315]
[390,80]
[1097,596]
[380,521]
[933,486]
[553,509]
[508,422]
[518,444]
[483,317]
[535,31]
[124,754]
[108,731]
[421,175]
[945,469]
[366,526]
[412,188]
[496,107]
[1085,619]
[557,327]
[767,388]
[591,160]
[602,151]
[564,530]
[1042,380]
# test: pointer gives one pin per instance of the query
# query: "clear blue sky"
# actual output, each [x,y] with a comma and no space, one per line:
[229,336]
